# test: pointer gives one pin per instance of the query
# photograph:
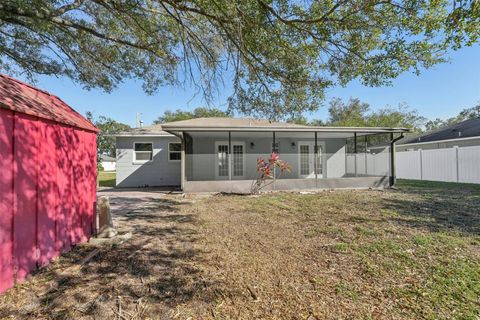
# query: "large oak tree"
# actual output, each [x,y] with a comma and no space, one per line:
[281,55]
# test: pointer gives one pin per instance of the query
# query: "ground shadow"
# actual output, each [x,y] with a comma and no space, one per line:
[437,206]
[153,272]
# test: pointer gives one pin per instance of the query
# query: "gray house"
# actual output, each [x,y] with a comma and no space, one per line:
[462,134]
[220,154]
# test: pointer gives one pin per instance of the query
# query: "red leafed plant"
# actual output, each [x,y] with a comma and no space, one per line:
[268,170]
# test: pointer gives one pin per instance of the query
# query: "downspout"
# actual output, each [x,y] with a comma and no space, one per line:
[393,177]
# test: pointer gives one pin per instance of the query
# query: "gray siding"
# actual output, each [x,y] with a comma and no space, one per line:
[439,145]
[159,172]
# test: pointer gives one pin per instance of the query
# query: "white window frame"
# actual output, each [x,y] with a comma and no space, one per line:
[311,144]
[135,161]
[169,151]
[230,160]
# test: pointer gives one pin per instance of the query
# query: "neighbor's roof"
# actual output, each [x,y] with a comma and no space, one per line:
[465,129]
[242,124]
[153,130]
[21,97]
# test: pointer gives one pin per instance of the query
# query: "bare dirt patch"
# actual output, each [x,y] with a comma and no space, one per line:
[411,253]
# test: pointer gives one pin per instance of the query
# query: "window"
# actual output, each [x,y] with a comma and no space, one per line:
[222,160]
[143,152]
[174,151]
[237,160]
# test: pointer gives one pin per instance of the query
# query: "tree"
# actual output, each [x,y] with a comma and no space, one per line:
[108,127]
[351,114]
[280,54]
[200,112]
[356,113]
[465,114]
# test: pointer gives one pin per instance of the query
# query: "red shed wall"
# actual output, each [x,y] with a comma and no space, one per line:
[47,192]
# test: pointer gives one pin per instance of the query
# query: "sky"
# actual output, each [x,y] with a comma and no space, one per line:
[439,92]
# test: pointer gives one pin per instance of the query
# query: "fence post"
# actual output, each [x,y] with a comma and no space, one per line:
[421,164]
[457,169]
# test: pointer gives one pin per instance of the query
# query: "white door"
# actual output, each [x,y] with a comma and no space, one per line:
[225,167]
[306,160]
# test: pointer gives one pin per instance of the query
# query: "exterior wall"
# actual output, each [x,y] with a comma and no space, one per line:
[47,192]
[200,165]
[244,186]
[158,172]
[109,165]
[440,145]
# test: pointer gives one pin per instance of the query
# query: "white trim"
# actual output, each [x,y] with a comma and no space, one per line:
[280,128]
[149,135]
[134,153]
[439,141]
[230,163]
[168,157]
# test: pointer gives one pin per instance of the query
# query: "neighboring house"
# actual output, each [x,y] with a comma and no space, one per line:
[220,154]
[108,163]
[47,179]
[448,154]
[462,134]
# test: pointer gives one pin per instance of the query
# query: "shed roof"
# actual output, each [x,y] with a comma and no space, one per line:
[465,129]
[245,124]
[20,97]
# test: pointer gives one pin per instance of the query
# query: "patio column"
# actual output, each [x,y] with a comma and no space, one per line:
[315,162]
[355,150]
[366,157]
[182,162]
[229,155]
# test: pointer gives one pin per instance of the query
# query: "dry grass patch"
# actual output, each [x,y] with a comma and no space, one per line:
[408,253]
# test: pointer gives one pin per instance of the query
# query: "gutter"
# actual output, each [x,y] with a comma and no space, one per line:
[288,129]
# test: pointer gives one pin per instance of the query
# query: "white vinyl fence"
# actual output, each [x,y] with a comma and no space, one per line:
[457,164]
[369,164]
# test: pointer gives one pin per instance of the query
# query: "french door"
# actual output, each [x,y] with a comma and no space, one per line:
[307,162]
[225,167]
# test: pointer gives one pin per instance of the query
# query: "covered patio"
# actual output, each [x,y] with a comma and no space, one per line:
[220,155]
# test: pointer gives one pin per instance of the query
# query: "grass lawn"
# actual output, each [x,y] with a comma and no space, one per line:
[411,253]
[107,179]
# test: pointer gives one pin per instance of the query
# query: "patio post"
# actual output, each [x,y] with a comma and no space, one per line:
[315,164]
[182,162]
[229,155]
[366,157]
[355,150]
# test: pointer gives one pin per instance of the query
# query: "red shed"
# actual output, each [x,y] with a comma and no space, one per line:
[47,179]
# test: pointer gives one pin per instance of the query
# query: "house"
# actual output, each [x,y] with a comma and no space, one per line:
[462,134]
[108,163]
[449,154]
[220,155]
[47,179]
